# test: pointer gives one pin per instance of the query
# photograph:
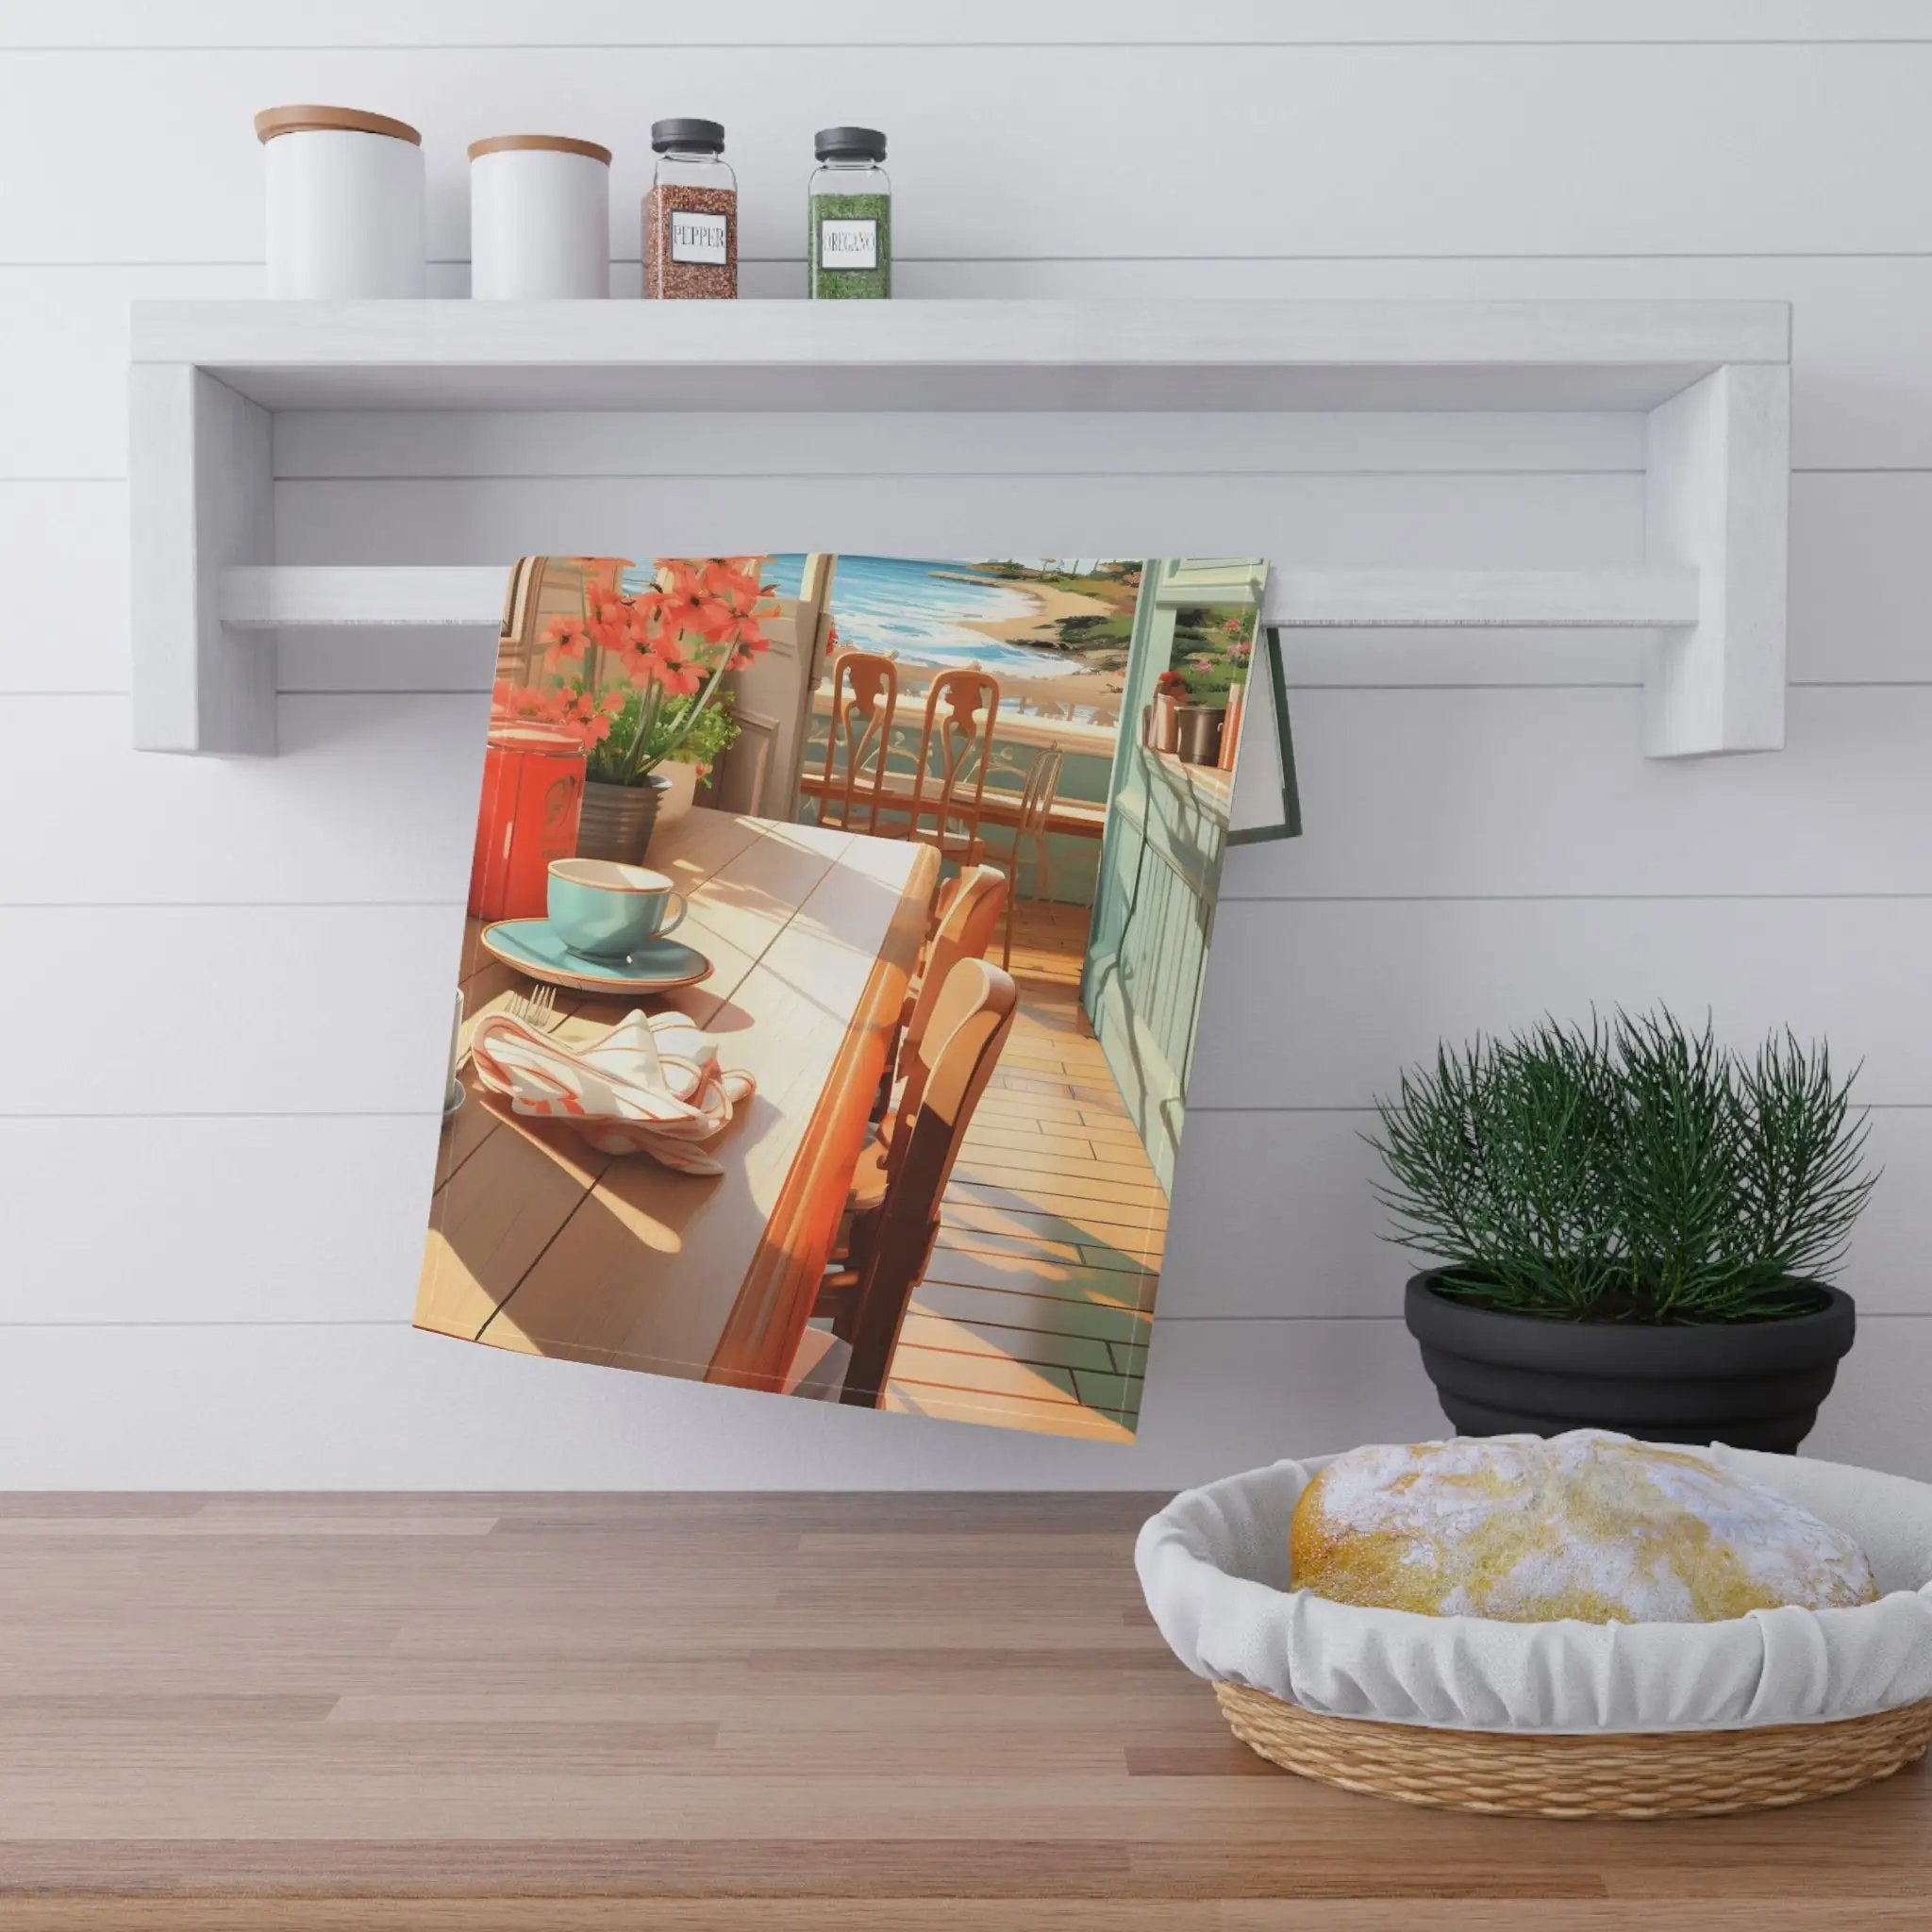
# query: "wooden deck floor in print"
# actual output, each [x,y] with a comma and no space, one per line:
[1036,1308]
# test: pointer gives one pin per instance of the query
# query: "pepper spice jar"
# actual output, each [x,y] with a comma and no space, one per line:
[690,214]
[849,204]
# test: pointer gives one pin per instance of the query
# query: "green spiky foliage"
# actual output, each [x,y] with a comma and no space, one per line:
[1630,1171]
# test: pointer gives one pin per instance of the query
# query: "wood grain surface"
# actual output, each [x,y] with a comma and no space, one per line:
[802,1712]
[1037,1301]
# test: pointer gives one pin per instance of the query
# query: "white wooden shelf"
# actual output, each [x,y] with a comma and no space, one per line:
[278,596]
[1713,380]
[1178,355]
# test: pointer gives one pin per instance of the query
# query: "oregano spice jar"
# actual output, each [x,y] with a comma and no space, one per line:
[849,211]
[690,214]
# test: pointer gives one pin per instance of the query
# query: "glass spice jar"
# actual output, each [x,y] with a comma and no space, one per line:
[690,214]
[849,207]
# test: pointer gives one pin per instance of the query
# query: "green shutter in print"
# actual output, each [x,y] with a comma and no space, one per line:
[1159,870]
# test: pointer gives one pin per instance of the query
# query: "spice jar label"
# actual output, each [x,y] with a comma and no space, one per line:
[848,245]
[699,237]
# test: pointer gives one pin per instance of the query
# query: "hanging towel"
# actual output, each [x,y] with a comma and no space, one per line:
[845,732]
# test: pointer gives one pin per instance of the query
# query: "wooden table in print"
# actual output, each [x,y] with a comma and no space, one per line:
[539,1243]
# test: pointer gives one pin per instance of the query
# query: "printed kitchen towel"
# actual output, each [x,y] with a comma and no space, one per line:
[834,959]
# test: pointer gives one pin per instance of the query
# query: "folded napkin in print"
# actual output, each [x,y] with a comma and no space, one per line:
[651,1085]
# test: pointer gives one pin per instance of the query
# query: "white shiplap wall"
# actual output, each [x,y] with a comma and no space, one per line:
[214,1171]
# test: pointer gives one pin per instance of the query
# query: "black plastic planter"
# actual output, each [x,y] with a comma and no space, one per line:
[1755,1385]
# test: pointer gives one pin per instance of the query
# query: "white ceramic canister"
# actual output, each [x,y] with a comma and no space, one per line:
[540,219]
[345,204]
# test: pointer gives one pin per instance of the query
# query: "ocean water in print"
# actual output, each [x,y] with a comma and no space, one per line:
[910,608]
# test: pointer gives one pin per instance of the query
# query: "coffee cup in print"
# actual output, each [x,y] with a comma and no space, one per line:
[606,910]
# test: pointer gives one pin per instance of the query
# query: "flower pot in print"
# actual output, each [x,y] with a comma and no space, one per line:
[1755,1385]
[680,791]
[617,821]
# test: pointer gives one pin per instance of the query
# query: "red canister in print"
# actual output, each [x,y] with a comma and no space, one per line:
[533,790]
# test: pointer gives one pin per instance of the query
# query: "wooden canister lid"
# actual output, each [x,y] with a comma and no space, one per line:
[549,143]
[308,120]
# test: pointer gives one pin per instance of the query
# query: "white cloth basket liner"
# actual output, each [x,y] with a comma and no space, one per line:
[1214,1567]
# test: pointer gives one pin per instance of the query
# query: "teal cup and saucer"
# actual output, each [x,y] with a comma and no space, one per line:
[605,910]
[608,931]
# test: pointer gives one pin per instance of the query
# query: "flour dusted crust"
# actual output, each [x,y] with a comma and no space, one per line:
[1590,1525]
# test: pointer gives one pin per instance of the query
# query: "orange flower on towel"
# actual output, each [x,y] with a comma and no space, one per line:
[665,663]
[590,715]
[610,622]
[636,674]
[645,618]
[722,598]
[508,700]
[569,639]
[742,636]
[585,714]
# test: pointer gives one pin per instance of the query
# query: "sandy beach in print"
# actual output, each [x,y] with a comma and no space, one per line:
[1038,625]
[1048,695]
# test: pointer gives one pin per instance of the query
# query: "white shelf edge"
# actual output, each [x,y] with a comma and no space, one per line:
[1252,333]
[281,596]
[1013,356]
[1637,597]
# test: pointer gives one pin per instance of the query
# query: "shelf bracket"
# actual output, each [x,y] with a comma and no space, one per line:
[201,501]
[1716,498]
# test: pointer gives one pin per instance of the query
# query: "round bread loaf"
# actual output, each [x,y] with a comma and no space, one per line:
[1590,1525]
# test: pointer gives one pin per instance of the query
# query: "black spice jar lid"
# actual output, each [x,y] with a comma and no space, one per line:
[850,143]
[707,137]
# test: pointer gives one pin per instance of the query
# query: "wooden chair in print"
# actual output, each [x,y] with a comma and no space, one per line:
[859,739]
[971,1019]
[1035,804]
[965,931]
[971,919]
[955,749]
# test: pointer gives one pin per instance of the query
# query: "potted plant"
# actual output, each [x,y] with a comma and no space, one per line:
[639,676]
[1633,1228]
[699,739]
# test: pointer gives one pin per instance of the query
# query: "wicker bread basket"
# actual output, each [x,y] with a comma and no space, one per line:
[1555,1719]
[1618,1774]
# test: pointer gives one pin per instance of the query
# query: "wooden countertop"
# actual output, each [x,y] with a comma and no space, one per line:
[857,1713]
